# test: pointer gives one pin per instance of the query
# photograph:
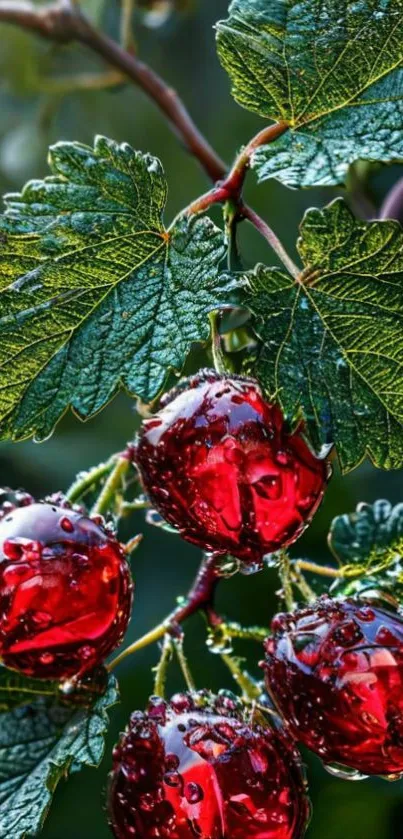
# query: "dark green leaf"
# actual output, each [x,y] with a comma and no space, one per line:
[41,743]
[94,292]
[332,70]
[369,546]
[332,341]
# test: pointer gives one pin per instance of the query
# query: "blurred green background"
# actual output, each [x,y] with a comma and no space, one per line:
[34,113]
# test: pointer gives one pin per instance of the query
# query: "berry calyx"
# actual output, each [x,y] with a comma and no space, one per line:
[65,591]
[219,463]
[335,673]
[200,766]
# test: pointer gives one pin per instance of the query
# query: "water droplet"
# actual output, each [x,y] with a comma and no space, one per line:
[193,793]
[46,658]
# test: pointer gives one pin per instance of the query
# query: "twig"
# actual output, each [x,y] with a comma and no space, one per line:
[200,597]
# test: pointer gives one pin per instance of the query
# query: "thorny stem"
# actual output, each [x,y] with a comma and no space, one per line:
[201,596]
[64,22]
[245,633]
[302,585]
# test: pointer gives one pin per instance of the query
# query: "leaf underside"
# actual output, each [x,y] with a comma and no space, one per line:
[94,292]
[332,344]
[332,69]
[39,744]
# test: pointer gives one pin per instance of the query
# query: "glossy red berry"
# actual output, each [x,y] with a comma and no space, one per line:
[335,672]
[65,591]
[196,767]
[218,463]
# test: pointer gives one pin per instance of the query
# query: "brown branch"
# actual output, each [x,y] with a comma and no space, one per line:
[61,22]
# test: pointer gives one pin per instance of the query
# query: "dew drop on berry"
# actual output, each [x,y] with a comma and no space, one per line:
[58,617]
[220,465]
[208,776]
[335,672]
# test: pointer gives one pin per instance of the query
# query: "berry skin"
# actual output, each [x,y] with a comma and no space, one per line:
[335,672]
[196,767]
[65,591]
[218,463]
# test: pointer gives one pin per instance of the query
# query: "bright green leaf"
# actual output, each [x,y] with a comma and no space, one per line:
[94,292]
[332,341]
[332,70]
[41,743]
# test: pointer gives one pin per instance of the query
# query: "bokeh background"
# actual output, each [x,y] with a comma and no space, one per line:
[38,106]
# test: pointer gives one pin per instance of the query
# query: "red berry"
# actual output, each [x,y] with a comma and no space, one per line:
[219,464]
[198,767]
[335,672]
[65,591]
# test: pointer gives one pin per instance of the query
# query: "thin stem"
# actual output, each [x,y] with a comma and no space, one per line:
[232,221]
[86,481]
[250,689]
[111,486]
[219,360]
[126,31]
[303,586]
[236,178]
[161,669]
[272,239]
[321,570]
[200,596]
[189,681]
[285,576]
[245,633]
[127,507]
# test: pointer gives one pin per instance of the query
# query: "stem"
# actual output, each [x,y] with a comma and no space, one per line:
[246,633]
[272,239]
[237,175]
[232,220]
[285,576]
[200,596]
[111,486]
[162,667]
[126,32]
[321,570]
[250,689]
[220,364]
[86,481]
[307,592]
[189,681]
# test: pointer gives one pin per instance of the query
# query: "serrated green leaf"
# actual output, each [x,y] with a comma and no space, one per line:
[369,547]
[332,341]
[94,292]
[332,70]
[39,744]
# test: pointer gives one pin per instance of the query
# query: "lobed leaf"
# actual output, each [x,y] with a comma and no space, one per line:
[40,743]
[332,341]
[94,292]
[333,70]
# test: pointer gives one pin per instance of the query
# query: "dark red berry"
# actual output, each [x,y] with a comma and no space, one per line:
[218,463]
[65,591]
[202,767]
[335,672]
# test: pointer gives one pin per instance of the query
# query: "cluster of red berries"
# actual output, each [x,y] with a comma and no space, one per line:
[65,588]
[221,466]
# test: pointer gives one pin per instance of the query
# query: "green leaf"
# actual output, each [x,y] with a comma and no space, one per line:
[332,341]
[41,743]
[94,292]
[332,70]
[369,546]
